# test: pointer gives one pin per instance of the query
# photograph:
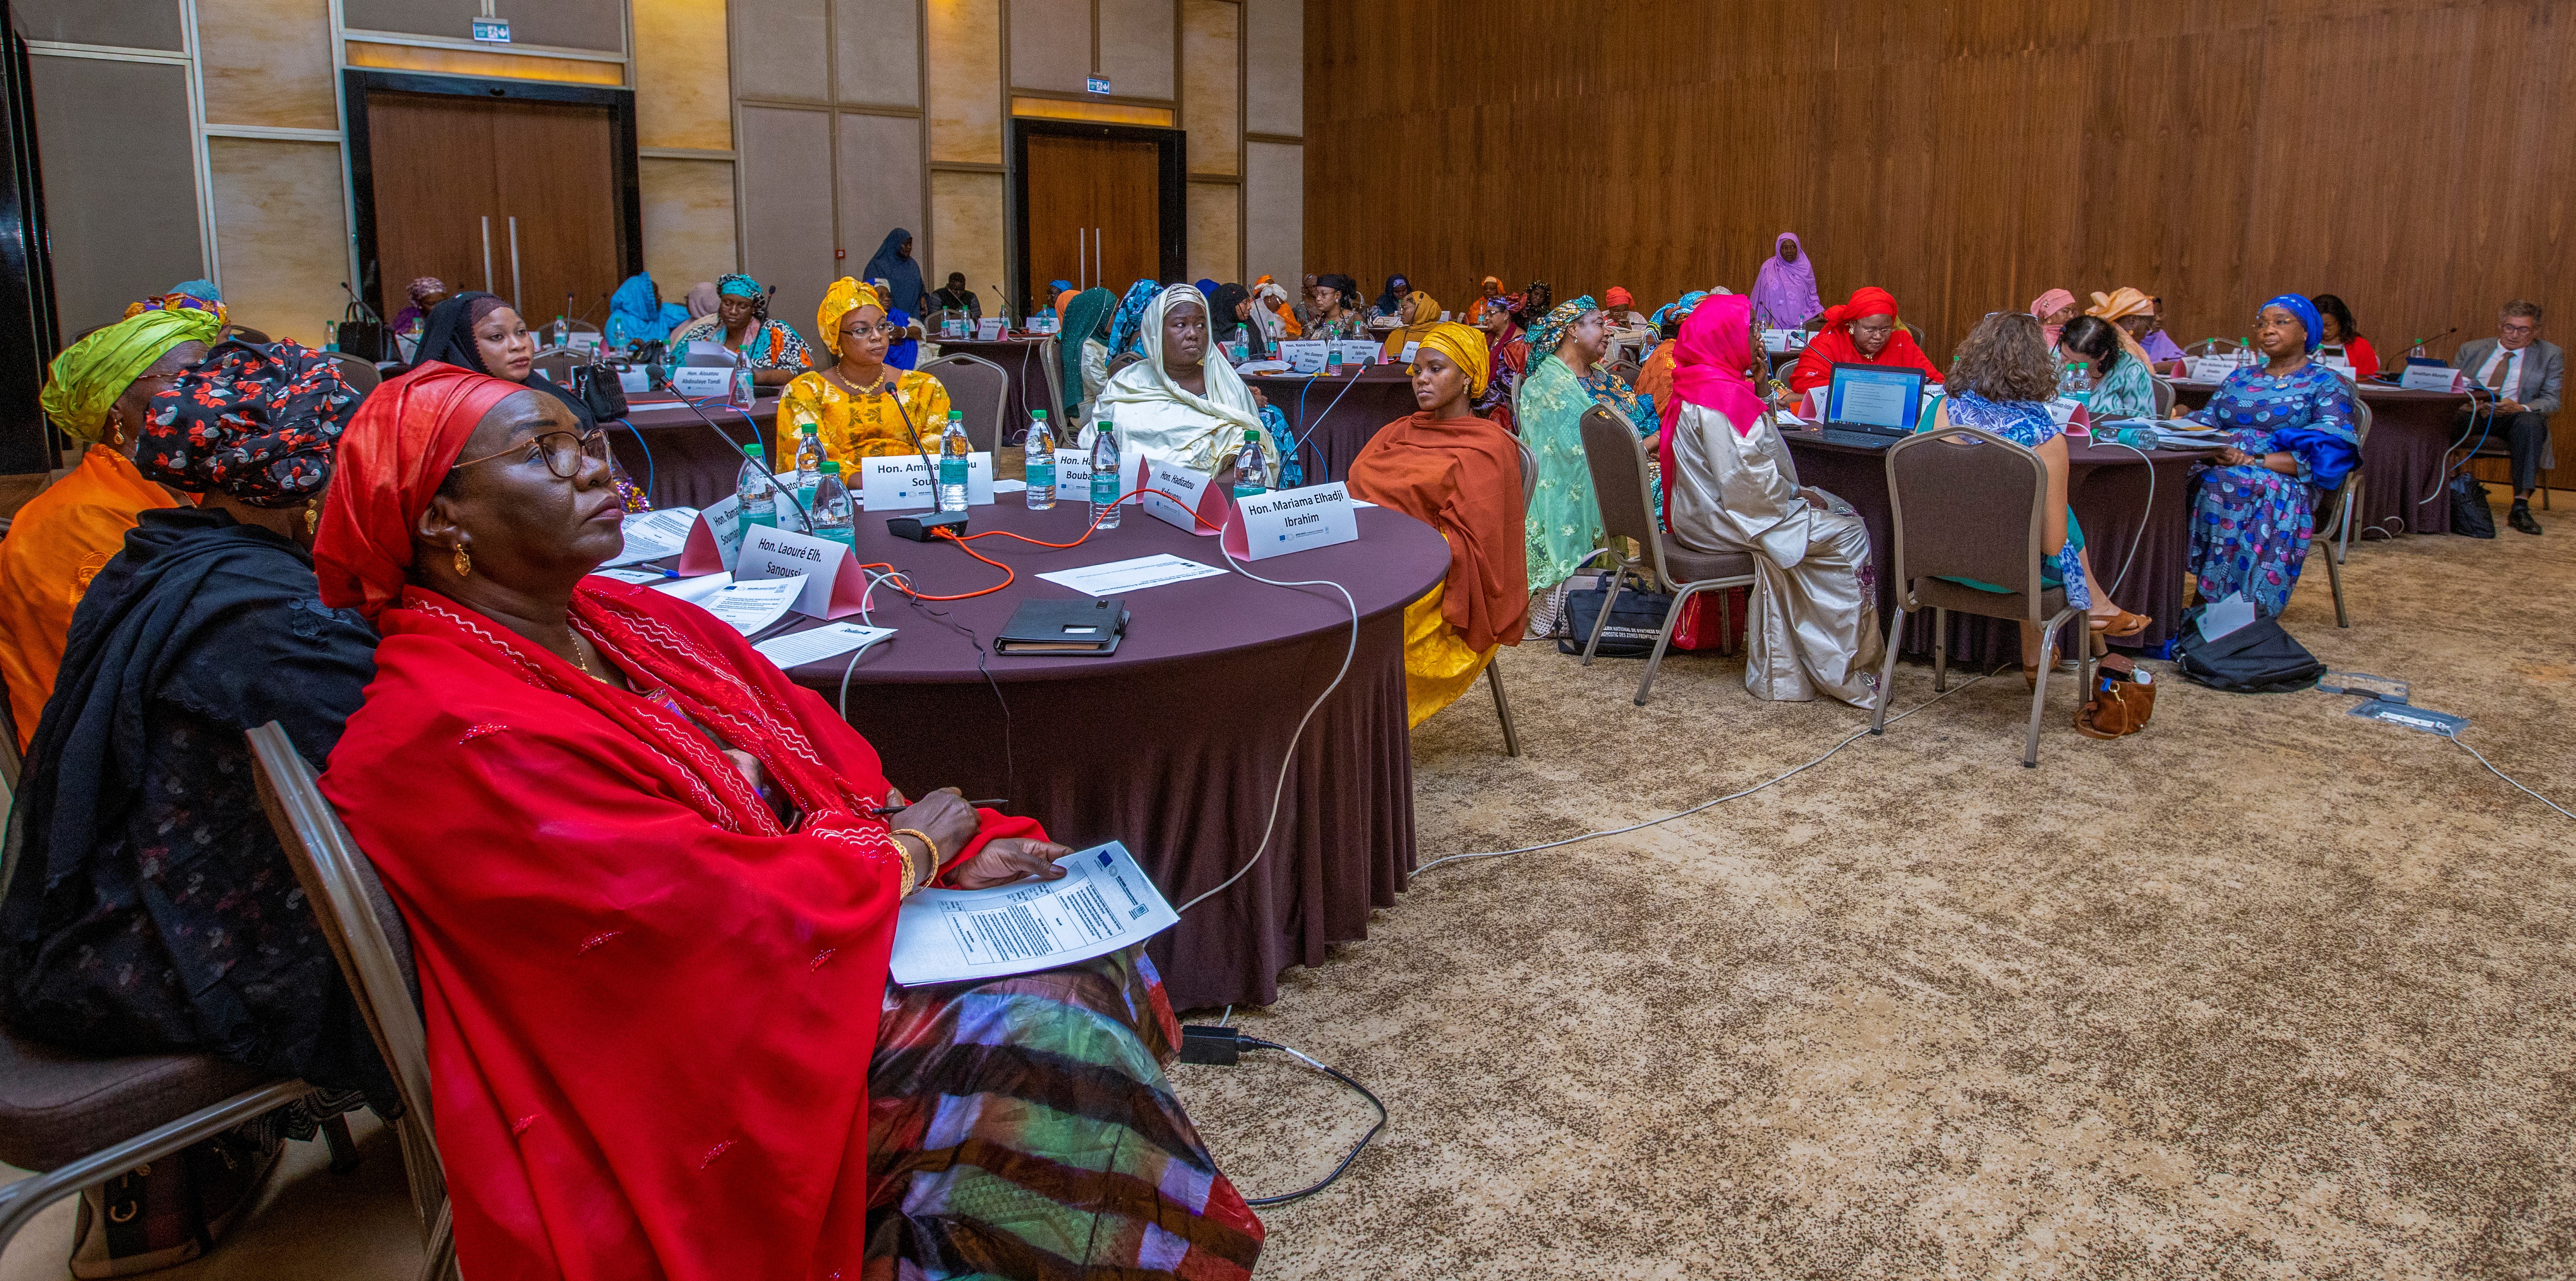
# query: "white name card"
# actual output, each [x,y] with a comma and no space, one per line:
[715,539]
[1184,499]
[1360,353]
[990,328]
[833,585]
[587,343]
[698,382]
[1292,520]
[2433,378]
[634,382]
[1306,356]
[904,484]
[1073,475]
[1409,349]
[1780,342]
[2212,369]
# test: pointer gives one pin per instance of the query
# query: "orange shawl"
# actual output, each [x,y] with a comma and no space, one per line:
[1656,379]
[1462,476]
[59,541]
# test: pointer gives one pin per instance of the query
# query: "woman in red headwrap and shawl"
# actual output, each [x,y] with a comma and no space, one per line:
[1729,487]
[651,897]
[1860,332]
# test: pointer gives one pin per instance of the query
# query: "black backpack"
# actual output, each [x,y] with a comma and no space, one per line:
[2470,515]
[2258,658]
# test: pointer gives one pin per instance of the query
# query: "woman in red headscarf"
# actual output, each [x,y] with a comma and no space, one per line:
[1729,487]
[652,895]
[1860,332]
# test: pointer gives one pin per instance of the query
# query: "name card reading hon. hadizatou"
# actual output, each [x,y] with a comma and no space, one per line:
[903,483]
[1186,500]
[834,586]
[1291,520]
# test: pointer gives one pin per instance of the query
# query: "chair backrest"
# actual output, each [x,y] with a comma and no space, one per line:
[366,933]
[558,364]
[1622,486]
[246,334]
[580,327]
[1059,409]
[2164,399]
[977,389]
[1529,471]
[1954,505]
[360,371]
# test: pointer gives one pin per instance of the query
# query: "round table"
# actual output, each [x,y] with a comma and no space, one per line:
[2403,463]
[1337,417]
[678,459]
[1173,744]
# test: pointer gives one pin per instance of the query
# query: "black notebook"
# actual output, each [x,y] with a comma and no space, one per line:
[1064,627]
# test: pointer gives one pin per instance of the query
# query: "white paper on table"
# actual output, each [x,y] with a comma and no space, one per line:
[647,577]
[745,607]
[655,534]
[1131,575]
[1103,903]
[820,643]
[1010,486]
[696,589]
[2225,616]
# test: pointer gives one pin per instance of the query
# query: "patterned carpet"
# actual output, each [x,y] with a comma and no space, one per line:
[2267,990]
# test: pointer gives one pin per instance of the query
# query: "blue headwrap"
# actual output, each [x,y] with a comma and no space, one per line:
[203,290]
[2298,305]
[1124,332]
[738,286]
[1679,310]
[635,314]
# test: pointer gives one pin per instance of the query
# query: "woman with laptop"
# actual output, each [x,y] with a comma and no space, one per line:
[1729,487]
[1863,331]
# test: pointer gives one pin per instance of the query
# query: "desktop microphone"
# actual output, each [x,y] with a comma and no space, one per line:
[732,446]
[2418,344]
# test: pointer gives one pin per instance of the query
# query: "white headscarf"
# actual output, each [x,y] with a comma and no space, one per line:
[1161,419]
[1267,299]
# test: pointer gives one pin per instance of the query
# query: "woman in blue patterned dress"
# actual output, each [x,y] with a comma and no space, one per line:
[2289,430]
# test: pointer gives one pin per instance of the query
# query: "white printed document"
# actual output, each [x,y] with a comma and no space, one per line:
[655,534]
[816,644]
[745,607]
[1104,903]
[1131,575]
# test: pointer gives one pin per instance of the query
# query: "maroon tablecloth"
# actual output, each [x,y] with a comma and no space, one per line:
[1024,359]
[1337,417]
[681,461]
[1174,743]
[2139,541]
[2402,463]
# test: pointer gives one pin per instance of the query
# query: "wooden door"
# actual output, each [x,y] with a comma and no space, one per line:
[458,180]
[1095,213]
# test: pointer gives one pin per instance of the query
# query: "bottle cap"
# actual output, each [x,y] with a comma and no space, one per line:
[1037,413]
[753,450]
[831,466]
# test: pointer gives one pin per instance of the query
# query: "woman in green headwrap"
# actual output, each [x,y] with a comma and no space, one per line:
[1566,378]
[97,394]
[1083,351]
[741,322]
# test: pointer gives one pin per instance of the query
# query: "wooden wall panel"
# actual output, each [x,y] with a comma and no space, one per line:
[963,53]
[688,222]
[280,233]
[683,80]
[267,62]
[1211,85]
[2406,154]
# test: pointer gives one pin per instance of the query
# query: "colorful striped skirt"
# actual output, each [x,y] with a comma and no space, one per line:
[1023,1128]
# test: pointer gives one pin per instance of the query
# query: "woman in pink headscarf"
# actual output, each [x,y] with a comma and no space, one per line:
[1729,487]
[1784,295]
[2054,309]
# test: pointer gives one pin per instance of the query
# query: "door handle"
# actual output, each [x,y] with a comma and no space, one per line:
[487,253]
[514,265]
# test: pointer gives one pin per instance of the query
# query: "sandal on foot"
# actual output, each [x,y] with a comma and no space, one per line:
[2122,624]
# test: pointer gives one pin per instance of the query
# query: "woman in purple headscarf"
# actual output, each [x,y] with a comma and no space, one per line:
[1784,295]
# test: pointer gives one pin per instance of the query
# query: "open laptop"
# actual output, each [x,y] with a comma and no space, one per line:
[1872,406]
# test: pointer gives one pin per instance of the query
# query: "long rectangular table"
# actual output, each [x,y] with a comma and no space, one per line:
[2403,461]
[2135,507]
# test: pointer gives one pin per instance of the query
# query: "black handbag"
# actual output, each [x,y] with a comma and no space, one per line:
[1635,620]
[598,388]
[2258,658]
[361,336]
[2470,515]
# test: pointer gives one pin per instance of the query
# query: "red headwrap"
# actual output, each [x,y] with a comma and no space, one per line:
[1868,300]
[1834,346]
[395,452]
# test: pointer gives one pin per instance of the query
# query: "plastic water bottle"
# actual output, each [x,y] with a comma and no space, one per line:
[738,392]
[953,449]
[1251,467]
[1040,467]
[2077,380]
[1104,476]
[809,464]
[830,505]
[757,489]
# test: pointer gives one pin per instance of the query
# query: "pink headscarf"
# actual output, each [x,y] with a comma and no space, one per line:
[2048,304]
[1709,358]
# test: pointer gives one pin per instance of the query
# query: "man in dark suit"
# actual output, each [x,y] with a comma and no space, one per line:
[2523,373]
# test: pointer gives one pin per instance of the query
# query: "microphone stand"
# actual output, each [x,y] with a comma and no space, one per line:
[735,447]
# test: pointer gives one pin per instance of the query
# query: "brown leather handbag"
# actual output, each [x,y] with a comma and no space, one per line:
[2119,707]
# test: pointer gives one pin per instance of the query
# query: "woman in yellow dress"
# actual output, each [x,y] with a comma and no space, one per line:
[858,405]
[1419,312]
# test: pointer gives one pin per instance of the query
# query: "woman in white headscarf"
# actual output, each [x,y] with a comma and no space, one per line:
[1176,404]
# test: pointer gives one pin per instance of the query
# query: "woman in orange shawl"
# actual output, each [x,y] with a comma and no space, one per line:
[1461,475]
[652,885]
[1860,332]
[97,394]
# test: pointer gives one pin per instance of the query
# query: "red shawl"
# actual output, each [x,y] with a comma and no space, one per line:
[1834,346]
[651,1011]
[1461,476]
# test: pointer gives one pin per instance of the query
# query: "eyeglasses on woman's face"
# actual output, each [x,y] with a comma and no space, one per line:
[565,454]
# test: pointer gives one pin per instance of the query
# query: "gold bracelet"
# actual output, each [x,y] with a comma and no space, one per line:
[909,879]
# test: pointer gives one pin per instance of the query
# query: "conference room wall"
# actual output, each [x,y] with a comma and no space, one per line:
[2411,157]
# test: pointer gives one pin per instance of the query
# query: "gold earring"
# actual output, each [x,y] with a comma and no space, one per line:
[312,516]
[464,563]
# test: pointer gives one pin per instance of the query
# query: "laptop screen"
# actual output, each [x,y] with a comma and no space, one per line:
[1890,398]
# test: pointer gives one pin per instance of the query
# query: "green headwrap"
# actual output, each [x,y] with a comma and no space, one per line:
[90,374]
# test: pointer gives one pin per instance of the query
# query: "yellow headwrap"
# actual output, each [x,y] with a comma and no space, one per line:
[1463,346]
[90,374]
[845,296]
[2124,301]
[1426,311]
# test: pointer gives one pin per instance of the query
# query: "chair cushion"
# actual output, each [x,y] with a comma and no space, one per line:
[57,1107]
[1959,598]
[1693,567]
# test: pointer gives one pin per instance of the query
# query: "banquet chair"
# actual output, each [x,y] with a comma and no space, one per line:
[2344,503]
[1059,409]
[2164,398]
[245,333]
[977,389]
[1617,458]
[1951,506]
[361,372]
[373,948]
[1493,667]
[558,365]
[2493,445]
